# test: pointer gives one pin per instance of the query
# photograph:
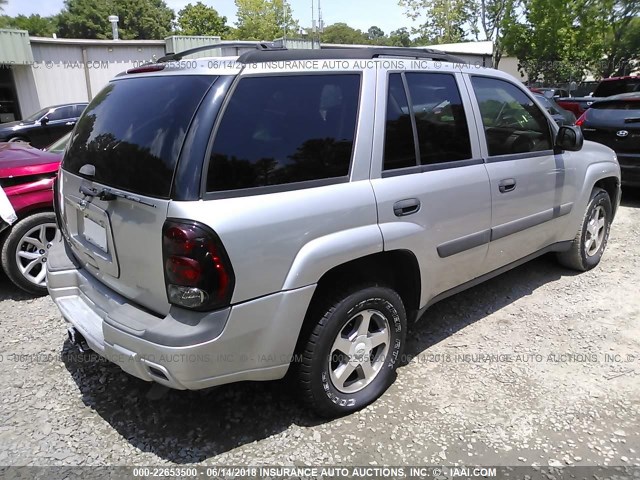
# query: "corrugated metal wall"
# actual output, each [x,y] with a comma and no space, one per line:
[14,47]
[66,73]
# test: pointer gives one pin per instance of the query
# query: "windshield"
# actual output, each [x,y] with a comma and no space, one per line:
[133,130]
[59,145]
[37,116]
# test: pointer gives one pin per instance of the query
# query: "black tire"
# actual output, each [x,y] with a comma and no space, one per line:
[577,257]
[333,316]
[13,243]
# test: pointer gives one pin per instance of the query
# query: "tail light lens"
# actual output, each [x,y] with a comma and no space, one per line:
[197,270]
[582,119]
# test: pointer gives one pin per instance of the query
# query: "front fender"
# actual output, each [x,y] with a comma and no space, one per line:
[594,173]
[324,253]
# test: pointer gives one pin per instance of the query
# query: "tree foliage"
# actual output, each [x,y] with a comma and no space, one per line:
[264,20]
[200,19]
[581,37]
[343,33]
[400,38]
[139,19]
[36,25]
[444,21]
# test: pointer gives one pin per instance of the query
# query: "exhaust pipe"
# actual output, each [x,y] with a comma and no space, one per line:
[76,338]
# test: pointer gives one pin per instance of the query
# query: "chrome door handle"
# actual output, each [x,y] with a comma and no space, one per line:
[406,207]
[507,185]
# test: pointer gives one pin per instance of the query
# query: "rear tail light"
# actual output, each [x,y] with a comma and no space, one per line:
[197,270]
[582,119]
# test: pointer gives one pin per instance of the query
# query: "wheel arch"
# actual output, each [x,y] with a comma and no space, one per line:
[396,269]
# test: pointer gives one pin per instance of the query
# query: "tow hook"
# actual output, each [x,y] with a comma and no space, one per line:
[78,340]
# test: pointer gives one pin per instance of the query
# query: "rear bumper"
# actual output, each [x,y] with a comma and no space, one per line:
[630,169]
[254,340]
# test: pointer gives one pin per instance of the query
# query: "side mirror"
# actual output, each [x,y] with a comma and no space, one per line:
[44,120]
[569,138]
[548,94]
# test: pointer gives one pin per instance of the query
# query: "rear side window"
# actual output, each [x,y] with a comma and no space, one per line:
[435,105]
[399,146]
[133,130]
[278,130]
[513,123]
[443,134]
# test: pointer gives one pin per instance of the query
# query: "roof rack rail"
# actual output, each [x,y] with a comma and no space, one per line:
[348,53]
[262,46]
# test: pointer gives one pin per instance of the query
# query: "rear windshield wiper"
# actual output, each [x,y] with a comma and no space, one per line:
[107,195]
[632,120]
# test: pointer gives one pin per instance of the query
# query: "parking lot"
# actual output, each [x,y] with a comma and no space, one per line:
[538,366]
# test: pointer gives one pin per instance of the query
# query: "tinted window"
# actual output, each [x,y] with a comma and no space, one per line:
[443,133]
[399,146]
[284,129]
[78,109]
[133,131]
[607,88]
[619,113]
[513,123]
[61,113]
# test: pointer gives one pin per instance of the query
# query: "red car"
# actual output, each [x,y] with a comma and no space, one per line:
[26,176]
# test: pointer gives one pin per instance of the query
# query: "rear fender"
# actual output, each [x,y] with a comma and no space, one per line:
[324,253]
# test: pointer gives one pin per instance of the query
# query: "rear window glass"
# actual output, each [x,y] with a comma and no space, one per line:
[607,88]
[133,130]
[279,130]
[615,112]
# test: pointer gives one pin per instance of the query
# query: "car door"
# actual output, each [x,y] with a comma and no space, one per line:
[61,120]
[526,177]
[430,183]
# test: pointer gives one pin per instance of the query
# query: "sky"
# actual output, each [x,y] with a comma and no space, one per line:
[362,14]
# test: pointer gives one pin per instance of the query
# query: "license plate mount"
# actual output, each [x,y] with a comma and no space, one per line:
[95,234]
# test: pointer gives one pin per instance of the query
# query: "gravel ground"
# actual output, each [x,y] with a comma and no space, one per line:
[538,366]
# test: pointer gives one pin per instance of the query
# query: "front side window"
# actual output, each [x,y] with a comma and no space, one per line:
[279,130]
[513,123]
[61,113]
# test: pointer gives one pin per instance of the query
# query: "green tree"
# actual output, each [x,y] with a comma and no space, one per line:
[35,24]
[375,34]
[497,18]
[139,19]
[343,33]
[264,20]
[445,21]
[620,37]
[400,38]
[200,19]
[560,47]
[2,4]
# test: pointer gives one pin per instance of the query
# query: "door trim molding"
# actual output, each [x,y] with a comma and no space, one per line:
[484,237]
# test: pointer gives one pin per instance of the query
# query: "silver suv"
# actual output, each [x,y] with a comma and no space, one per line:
[292,211]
